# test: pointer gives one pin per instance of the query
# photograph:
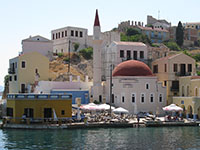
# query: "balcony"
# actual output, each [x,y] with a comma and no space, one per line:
[11,70]
[183,74]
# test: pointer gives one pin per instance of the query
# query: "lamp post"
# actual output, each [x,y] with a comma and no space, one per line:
[110,87]
[69,57]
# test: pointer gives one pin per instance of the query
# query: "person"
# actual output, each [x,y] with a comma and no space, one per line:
[24,118]
[138,119]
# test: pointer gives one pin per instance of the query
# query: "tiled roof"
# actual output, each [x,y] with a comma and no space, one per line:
[153,29]
[130,43]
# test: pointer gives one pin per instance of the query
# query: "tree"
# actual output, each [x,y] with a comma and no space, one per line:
[76,46]
[131,31]
[179,34]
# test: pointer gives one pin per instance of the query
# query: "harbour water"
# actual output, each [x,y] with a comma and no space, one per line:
[112,138]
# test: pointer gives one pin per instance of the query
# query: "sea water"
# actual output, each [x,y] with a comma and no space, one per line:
[161,138]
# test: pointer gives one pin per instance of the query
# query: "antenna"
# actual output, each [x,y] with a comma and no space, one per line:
[158,14]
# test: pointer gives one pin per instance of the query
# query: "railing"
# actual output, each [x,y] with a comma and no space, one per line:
[39,96]
[183,74]
[11,70]
[175,89]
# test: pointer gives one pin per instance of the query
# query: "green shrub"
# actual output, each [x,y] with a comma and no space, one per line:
[66,59]
[87,53]
[76,46]
[172,46]
[60,54]
[198,73]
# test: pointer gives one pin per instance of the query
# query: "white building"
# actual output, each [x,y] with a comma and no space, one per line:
[136,89]
[73,35]
[118,52]
[38,44]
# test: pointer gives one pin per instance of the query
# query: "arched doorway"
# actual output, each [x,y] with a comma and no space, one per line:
[198,113]
[189,111]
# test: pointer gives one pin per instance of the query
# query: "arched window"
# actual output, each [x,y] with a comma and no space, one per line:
[196,92]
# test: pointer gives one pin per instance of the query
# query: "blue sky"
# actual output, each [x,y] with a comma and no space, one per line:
[21,18]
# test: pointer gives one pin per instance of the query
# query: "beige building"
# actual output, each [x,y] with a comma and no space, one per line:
[169,69]
[69,35]
[136,89]
[38,44]
[189,98]
[26,70]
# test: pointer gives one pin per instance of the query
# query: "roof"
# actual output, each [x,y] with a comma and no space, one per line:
[96,21]
[153,29]
[130,43]
[37,38]
[168,57]
[132,68]
[195,77]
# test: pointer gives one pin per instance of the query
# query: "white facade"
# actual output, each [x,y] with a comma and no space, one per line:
[137,94]
[118,52]
[62,36]
[38,44]
[47,86]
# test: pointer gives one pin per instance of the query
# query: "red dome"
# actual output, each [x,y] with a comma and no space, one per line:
[132,68]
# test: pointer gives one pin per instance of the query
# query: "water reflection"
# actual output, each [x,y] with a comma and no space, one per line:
[132,138]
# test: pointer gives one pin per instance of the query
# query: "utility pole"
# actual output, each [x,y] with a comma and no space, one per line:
[69,57]
[110,87]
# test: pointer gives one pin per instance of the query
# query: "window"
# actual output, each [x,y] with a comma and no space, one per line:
[141,54]
[121,53]
[122,99]
[160,98]
[142,98]
[128,54]
[151,97]
[15,78]
[155,68]
[23,64]
[72,33]
[9,112]
[61,50]
[62,112]
[15,64]
[189,67]
[165,83]
[62,33]
[53,36]
[76,33]
[58,34]
[113,98]
[147,86]
[81,34]
[165,67]
[133,98]
[28,112]
[135,55]
[175,67]
[65,32]
[10,78]
[100,98]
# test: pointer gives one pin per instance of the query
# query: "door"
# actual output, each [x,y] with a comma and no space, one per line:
[183,69]
[23,88]
[47,113]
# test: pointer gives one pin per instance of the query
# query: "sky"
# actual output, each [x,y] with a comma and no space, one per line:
[21,18]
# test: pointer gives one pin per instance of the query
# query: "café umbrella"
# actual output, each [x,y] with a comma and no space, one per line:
[172,108]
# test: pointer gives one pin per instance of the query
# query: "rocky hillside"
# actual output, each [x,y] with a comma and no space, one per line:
[78,67]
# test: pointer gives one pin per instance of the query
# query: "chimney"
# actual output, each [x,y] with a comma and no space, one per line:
[78,78]
[86,78]
[70,78]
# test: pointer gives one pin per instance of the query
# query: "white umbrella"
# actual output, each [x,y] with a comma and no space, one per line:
[78,114]
[120,110]
[105,107]
[90,106]
[172,107]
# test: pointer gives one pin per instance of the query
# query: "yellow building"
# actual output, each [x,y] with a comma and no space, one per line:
[38,107]
[169,69]
[189,98]
[26,70]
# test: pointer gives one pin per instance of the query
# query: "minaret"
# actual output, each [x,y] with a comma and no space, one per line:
[97,62]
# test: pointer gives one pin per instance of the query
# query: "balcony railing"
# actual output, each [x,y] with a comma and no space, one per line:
[183,74]
[11,70]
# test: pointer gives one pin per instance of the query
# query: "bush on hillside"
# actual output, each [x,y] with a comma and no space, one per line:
[172,46]
[60,54]
[86,53]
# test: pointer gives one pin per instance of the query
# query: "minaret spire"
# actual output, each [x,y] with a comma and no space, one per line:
[96,21]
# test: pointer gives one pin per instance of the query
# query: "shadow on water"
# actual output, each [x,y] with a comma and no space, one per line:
[122,138]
